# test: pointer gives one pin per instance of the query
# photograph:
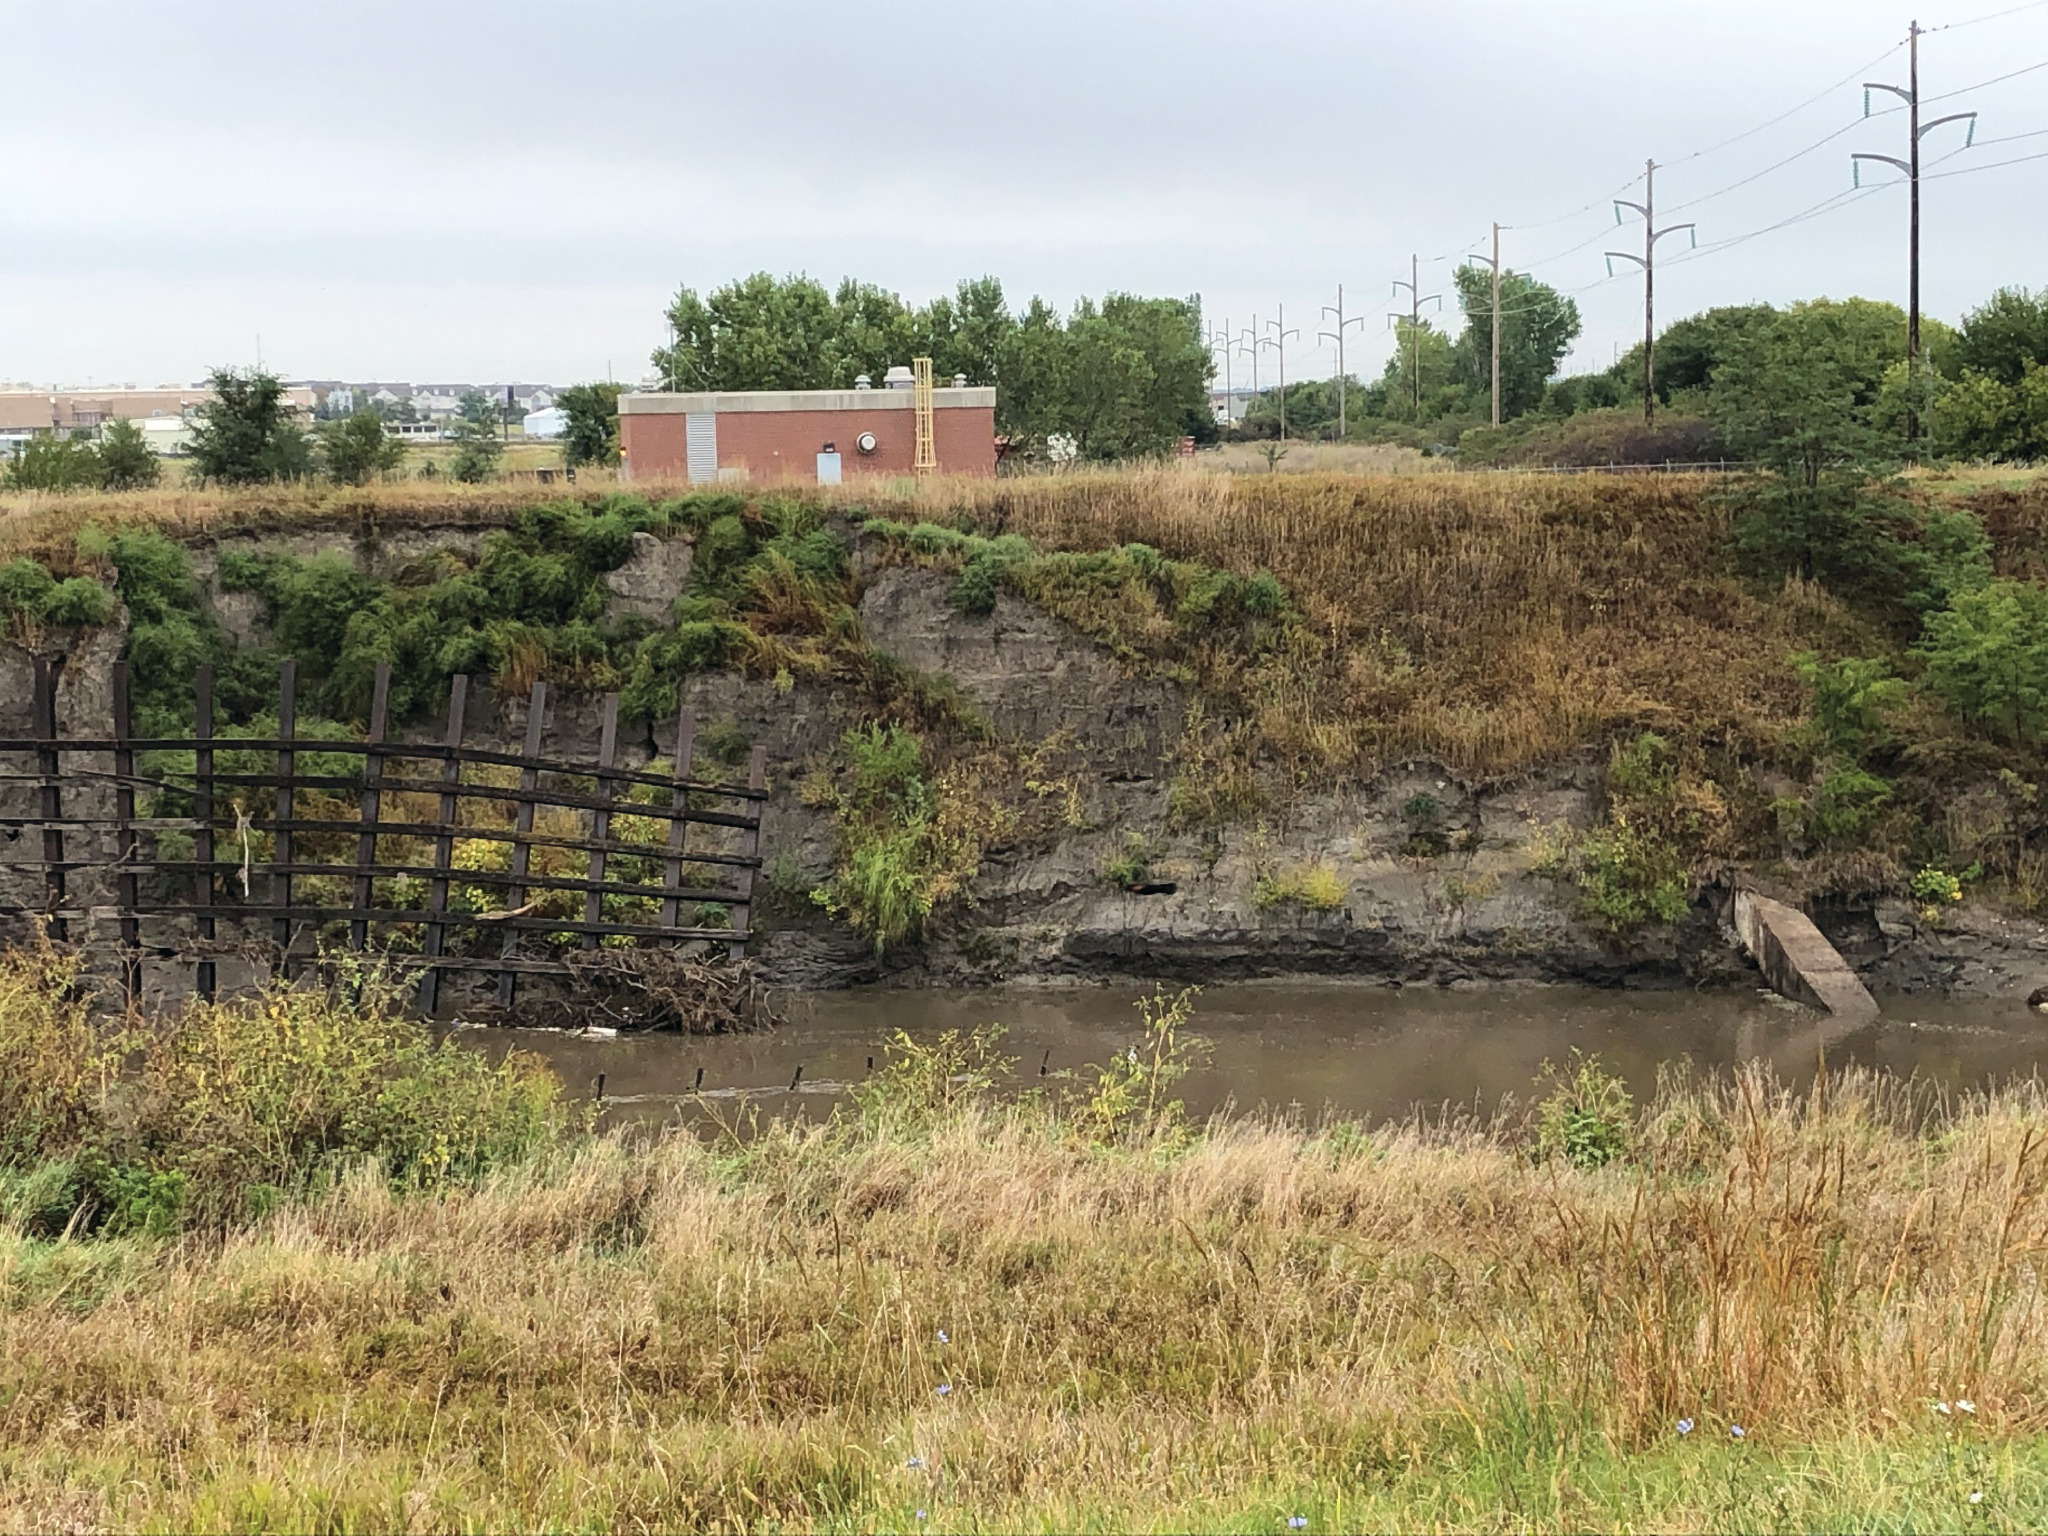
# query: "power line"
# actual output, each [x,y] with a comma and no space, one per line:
[1967,170]
[1795,111]
[1964,90]
[1957,26]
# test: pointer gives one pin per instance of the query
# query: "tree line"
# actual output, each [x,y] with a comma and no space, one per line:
[1127,377]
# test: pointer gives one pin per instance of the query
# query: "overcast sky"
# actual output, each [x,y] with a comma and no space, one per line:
[456,191]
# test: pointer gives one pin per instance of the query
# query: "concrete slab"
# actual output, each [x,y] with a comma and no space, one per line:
[1797,960]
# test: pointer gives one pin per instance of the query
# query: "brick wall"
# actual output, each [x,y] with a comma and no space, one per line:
[774,446]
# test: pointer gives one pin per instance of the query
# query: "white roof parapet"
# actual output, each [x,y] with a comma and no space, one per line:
[659,403]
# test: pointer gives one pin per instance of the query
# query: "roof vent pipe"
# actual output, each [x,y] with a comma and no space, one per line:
[959,381]
[898,377]
[862,381]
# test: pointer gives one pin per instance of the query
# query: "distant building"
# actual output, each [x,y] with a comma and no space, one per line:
[804,435]
[24,413]
[552,421]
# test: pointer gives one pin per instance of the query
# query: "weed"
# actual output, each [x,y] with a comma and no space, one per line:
[1314,887]
[1587,1118]
[1131,1097]
[1132,863]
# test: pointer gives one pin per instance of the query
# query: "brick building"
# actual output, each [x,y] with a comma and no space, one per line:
[803,435]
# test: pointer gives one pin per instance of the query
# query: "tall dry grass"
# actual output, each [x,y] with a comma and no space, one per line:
[1494,621]
[981,1319]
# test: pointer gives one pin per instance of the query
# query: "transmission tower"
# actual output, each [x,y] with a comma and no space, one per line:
[1416,299]
[1648,262]
[1221,341]
[1279,343]
[1495,264]
[1343,379]
[1915,131]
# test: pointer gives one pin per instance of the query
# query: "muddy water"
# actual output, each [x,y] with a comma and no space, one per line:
[1373,1051]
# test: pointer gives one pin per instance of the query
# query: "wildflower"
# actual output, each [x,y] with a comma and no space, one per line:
[1737,1432]
[1297,1522]
[945,1389]
[1941,1407]
[922,1515]
[943,1339]
[1685,1426]
[1977,1497]
[914,1463]
[1966,1405]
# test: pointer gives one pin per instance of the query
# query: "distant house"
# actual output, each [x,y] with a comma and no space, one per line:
[553,421]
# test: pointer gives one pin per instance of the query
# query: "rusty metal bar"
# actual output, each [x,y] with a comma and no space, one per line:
[522,831]
[750,847]
[366,840]
[125,850]
[601,819]
[679,797]
[444,845]
[51,795]
[202,812]
[281,846]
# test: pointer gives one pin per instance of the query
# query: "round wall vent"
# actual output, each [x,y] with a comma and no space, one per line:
[865,442]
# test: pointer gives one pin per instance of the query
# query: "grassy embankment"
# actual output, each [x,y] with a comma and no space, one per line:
[287,1267]
[1325,626]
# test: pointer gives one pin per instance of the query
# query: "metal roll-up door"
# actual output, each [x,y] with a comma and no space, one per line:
[701,435]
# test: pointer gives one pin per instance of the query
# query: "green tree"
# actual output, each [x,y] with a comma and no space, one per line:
[47,462]
[1420,378]
[1987,657]
[356,447]
[757,333]
[591,435]
[1980,417]
[2003,336]
[966,333]
[246,434]
[126,462]
[1689,350]
[1995,404]
[475,431]
[1537,327]
[871,333]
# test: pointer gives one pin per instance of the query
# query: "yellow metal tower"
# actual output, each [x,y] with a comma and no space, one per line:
[927,460]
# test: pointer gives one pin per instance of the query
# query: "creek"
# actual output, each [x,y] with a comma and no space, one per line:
[1373,1052]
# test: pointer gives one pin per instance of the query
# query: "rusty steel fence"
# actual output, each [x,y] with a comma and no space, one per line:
[432,855]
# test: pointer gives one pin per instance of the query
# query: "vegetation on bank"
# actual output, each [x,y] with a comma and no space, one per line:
[411,1295]
[1838,675]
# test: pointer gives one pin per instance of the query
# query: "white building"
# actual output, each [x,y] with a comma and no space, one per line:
[551,422]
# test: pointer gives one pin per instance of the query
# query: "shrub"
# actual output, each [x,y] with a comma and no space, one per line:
[47,462]
[1131,1098]
[1588,1118]
[1132,864]
[210,1116]
[907,845]
[1314,887]
[1987,657]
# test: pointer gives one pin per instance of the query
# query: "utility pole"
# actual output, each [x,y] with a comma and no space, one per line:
[1648,262]
[1915,132]
[1249,341]
[1496,324]
[1416,300]
[1222,339]
[1281,333]
[1343,378]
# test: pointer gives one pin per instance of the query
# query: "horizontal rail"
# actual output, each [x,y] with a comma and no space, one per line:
[455,877]
[500,835]
[430,751]
[397,916]
[488,792]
